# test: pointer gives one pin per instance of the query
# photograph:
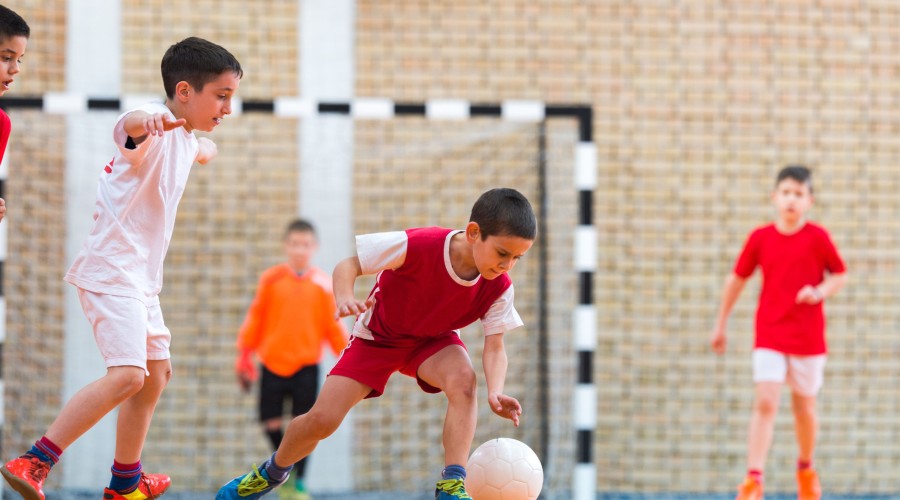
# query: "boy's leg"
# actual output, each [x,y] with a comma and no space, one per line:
[128,477]
[26,474]
[762,424]
[137,411]
[93,402]
[806,425]
[450,370]
[805,376]
[339,395]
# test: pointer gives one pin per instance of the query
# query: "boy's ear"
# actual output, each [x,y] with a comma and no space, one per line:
[183,91]
[473,231]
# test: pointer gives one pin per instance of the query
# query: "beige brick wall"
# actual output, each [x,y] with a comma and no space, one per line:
[696,106]
[32,274]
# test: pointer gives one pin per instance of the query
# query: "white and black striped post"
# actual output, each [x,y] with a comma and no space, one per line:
[585,180]
[584,322]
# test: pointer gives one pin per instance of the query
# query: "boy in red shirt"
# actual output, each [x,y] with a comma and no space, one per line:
[430,283]
[14,33]
[801,268]
[292,315]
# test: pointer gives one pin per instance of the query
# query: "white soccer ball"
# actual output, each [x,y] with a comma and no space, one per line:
[504,469]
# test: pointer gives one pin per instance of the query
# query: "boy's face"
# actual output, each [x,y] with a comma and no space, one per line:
[11,51]
[299,247]
[792,199]
[496,255]
[205,109]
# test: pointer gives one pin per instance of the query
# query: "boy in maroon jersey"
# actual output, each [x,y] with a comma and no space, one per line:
[801,268]
[14,33]
[430,283]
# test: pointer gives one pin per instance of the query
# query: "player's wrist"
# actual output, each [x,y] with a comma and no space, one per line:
[818,294]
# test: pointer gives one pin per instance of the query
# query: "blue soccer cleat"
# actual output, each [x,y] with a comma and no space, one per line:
[451,489]
[253,485]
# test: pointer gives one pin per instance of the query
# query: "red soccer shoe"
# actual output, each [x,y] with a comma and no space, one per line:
[149,486]
[26,476]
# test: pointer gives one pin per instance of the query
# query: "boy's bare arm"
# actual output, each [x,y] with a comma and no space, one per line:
[829,286]
[495,362]
[138,124]
[343,278]
[734,284]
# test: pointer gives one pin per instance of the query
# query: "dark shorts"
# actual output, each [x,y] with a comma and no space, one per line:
[372,363]
[301,387]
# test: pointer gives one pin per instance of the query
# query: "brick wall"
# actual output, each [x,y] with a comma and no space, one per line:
[696,107]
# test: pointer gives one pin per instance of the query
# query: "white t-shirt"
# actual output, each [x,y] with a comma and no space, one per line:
[381,251]
[134,216]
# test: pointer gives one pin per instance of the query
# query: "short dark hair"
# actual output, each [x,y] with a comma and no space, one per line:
[12,24]
[798,173]
[504,212]
[196,61]
[299,226]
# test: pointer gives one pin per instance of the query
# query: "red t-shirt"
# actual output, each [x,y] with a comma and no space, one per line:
[789,262]
[5,127]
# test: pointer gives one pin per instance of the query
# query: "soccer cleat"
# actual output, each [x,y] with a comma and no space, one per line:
[253,485]
[26,475]
[808,487]
[149,486]
[451,489]
[751,489]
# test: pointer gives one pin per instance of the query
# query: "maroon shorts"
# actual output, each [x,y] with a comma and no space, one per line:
[372,362]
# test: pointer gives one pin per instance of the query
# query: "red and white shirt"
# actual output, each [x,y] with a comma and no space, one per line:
[134,216]
[417,293]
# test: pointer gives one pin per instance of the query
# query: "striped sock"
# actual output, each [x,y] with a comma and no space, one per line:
[125,477]
[45,450]
[804,464]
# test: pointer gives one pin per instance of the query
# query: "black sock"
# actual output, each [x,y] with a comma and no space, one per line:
[275,437]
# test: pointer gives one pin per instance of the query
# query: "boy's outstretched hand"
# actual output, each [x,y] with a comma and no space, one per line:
[506,407]
[2,208]
[157,124]
[352,307]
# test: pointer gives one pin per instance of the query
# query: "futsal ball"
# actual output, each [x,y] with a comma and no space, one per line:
[504,469]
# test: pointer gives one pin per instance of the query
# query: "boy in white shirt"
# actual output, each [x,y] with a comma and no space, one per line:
[119,270]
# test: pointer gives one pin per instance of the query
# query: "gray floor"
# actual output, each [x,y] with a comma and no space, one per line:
[71,495]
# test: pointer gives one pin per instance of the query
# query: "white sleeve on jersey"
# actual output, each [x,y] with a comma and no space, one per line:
[380,251]
[502,315]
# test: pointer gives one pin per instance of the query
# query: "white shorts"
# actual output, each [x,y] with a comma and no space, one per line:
[803,374]
[127,331]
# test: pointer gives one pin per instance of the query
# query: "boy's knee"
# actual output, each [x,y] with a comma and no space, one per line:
[766,405]
[129,380]
[462,384]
